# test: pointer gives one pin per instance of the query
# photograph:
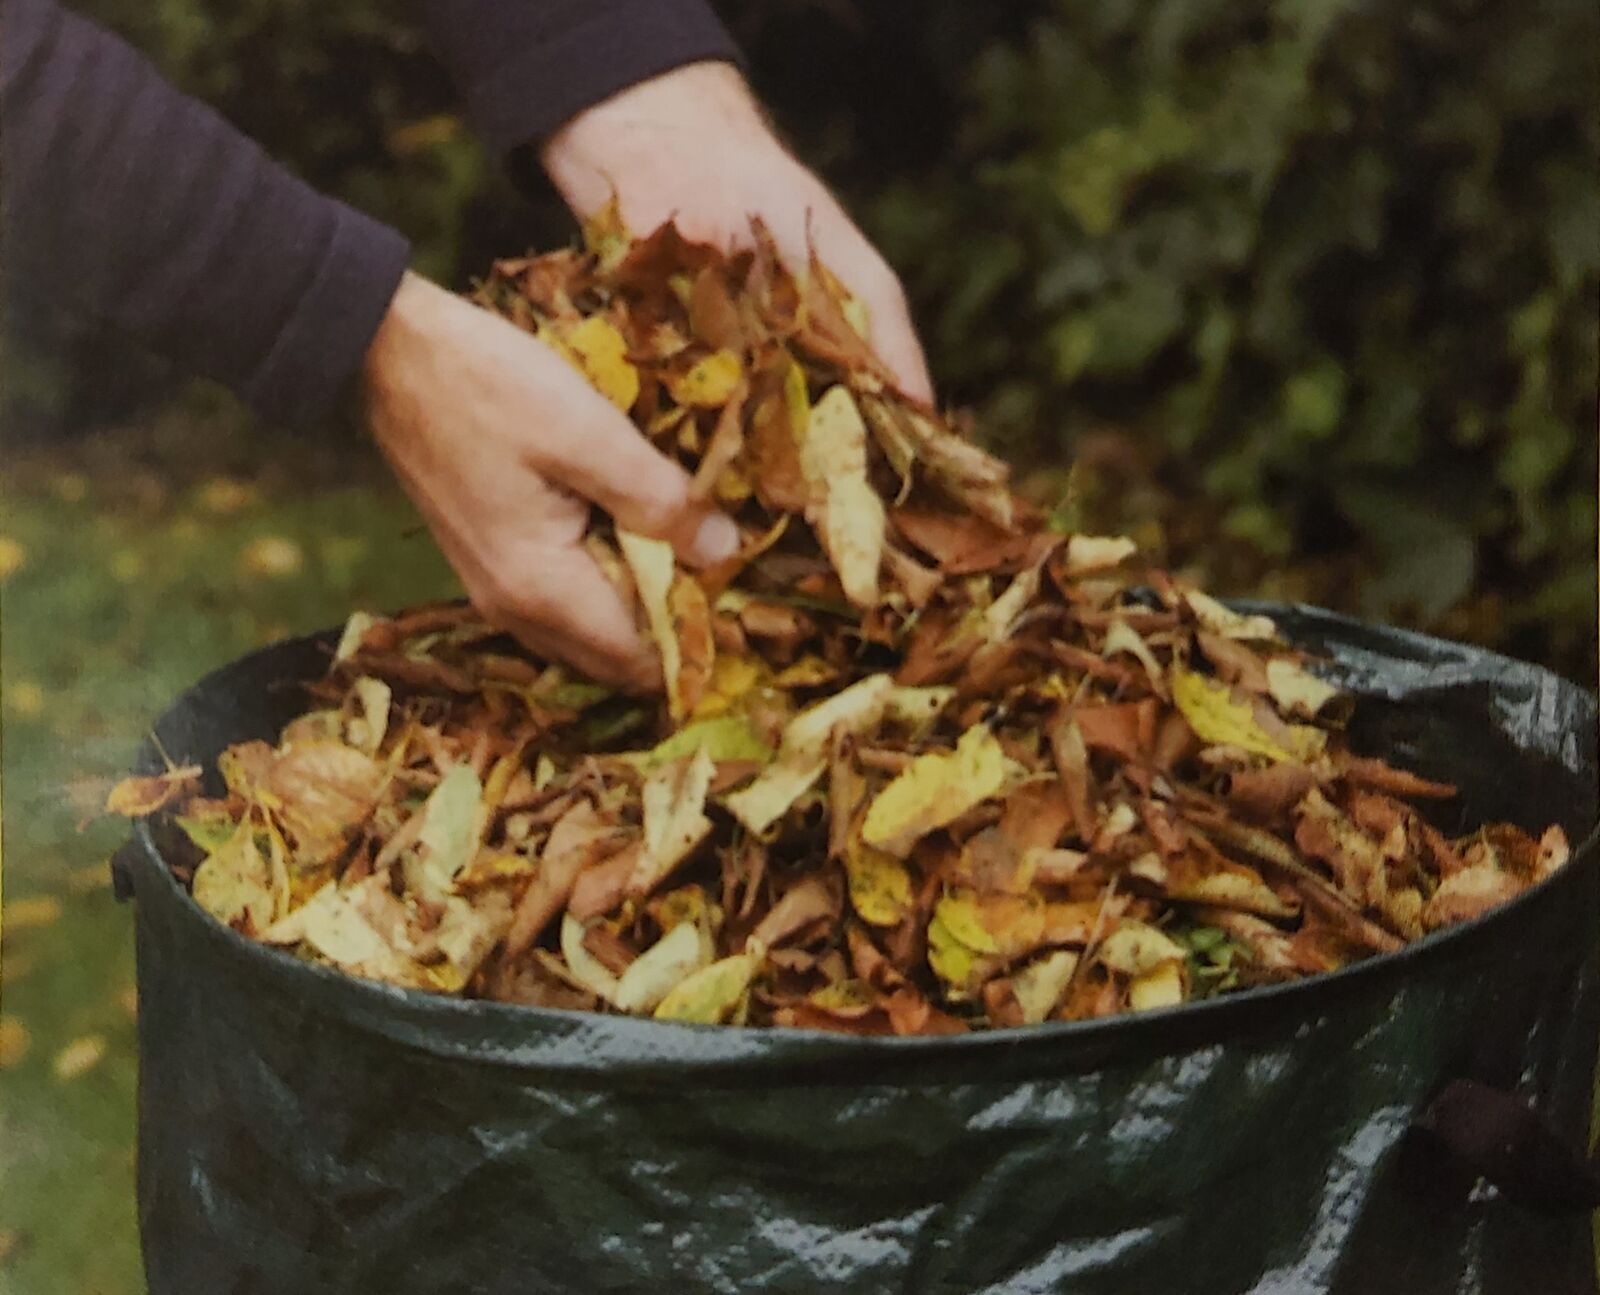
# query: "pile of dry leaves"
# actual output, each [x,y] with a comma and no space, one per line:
[922,765]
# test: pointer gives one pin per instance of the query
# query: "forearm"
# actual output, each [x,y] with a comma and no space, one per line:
[526,67]
[125,201]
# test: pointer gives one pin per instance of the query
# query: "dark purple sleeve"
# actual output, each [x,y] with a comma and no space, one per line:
[523,67]
[125,201]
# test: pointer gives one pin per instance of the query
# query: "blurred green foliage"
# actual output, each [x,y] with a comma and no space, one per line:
[1307,288]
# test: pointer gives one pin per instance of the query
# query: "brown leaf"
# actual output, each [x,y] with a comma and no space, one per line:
[1122,729]
[1376,775]
[802,908]
[963,543]
[1267,795]
[580,837]
[713,315]
[601,886]
[771,458]
[1036,815]
[1071,754]
[142,796]
[697,649]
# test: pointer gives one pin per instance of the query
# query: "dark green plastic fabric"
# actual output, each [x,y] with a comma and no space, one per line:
[303,1133]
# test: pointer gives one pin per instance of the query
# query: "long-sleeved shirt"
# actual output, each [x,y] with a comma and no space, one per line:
[126,201]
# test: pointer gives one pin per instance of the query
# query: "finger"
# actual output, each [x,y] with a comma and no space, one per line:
[558,602]
[894,337]
[564,601]
[843,248]
[892,334]
[644,677]
[594,450]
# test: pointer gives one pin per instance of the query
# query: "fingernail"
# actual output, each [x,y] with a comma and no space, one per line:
[716,540]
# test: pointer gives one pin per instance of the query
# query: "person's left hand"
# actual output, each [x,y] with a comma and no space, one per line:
[692,144]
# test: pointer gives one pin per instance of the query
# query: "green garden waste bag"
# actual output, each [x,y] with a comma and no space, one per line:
[1416,1124]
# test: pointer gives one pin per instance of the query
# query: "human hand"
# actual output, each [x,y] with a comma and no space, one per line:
[503,446]
[693,145]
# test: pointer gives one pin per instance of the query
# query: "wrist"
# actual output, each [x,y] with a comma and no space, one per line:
[404,326]
[621,136]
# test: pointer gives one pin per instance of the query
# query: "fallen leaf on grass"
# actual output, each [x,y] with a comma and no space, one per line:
[79,1057]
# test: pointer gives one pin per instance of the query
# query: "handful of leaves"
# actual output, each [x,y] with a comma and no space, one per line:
[923,764]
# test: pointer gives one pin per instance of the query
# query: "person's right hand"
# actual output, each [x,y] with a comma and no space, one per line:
[503,446]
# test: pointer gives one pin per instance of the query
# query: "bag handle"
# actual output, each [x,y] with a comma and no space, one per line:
[1496,1136]
[122,868]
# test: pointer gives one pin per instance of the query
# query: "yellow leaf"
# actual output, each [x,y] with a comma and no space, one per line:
[1089,553]
[675,823]
[12,556]
[710,383]
[367,730]
[973,934]
[686,904]
[809,671]
[79,1057]
[710,995]
[917,708]
[961,917]
[857,314]
[355,630]
[1038,986]
[732,679]
[1217,718]
[15,1041]
[733,486]
[1222,620]
[651,563]
[802,752]
[235,883]
[880,886]
[332,924]
[605,235]
[845,996]
[936,789]
[490,868]
[952,960]
[34,912]
[602,354]
[662,967]
[1160,987]
[1297,691]
[722,737]
[796,400]
[452,825]
[843,508]
[587,969]
[1135,948]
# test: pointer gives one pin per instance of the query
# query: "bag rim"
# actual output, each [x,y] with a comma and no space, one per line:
[387,1008]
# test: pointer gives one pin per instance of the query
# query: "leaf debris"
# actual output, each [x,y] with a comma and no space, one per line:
[923,765]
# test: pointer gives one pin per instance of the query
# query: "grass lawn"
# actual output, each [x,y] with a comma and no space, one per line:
[128,569]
